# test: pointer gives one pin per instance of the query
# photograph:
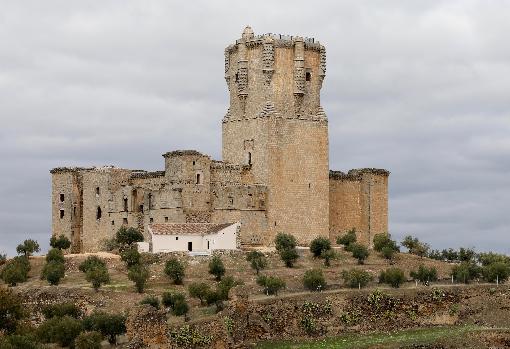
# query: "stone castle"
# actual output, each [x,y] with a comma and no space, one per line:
[274,176]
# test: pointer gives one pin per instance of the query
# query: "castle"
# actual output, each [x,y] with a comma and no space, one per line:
[274,176]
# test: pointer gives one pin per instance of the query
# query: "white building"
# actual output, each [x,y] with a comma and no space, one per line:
[194,237]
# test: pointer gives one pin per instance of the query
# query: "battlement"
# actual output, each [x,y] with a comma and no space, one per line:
[147,174]
[83,169]
[357,174]
[183,153]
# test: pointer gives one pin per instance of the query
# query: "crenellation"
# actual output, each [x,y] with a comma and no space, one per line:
[274,175]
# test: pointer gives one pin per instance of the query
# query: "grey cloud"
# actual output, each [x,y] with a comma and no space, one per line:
[420,88]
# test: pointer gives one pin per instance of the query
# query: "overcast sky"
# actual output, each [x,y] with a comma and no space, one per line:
[421,88]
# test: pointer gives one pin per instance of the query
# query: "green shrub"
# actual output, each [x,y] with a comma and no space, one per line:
[465,272]
[392,276]
[289,257]
[56,255]
[199,290]
[151,300]
[328,256]
[175,270]
[388,253]
[497,271]
[109,325]
[213,297]
[415,246]
[138,274]
[272,284]
[216,267]
[130,256]
[314,280]
[53,272]
[61,310]
[60,243]
[19,341]
[11,310]
[89,340]
[257,260]
[488,258]
[359,252]
[3,258]
[176,302]
[15,271]
[61,330]
[97,276]
[90,263]
[225,285]
[28,247]
[384,244]
[467,255]
[320,245]
[356,278]
[284,242]
[424,274]
[128,236]
[348,238]
[190,337]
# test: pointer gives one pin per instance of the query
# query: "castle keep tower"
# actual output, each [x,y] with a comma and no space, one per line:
[276,125]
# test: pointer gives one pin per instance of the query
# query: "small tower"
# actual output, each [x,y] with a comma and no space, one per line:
[276,125]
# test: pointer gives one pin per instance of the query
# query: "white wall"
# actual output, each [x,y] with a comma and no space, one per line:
[225,239]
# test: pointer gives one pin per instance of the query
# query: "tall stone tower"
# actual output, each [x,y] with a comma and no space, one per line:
[276,126]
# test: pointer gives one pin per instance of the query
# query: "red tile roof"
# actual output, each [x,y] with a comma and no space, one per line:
[187,228]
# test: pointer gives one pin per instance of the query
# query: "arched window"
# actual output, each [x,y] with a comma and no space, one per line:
[98,213]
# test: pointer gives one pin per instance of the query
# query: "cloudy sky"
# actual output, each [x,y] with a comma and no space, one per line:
[417,87]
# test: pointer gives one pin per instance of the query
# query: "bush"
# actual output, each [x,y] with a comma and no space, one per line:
[388,253]
[320,245]
[11,310]
[153,301]
[384,244]
[175,270]
[109,325]
[348,238]
[15,271]
[314,280]
[465,272]
[213,297]
[90,263]
[450,255]
[496,272]
[289,257]
[415,246]
[97,276]
[89,340]
[284,242]
[328,256]
[359,252]
[56,255]
[3,258]
[257,260]
[199,290]
[61,310]
[356,278]
[53,271]
[176,302]
[392,276]
[272,284]
[467,255]
[60,243]
[19,341]
[61,330]
[488,258]
[28,247]
[424,274]
[138,274]
[225,285]
[216,267]
[128,236]
[130,256]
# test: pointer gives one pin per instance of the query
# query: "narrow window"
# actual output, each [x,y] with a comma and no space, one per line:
[151,220]
[176,238]
[150,201]
[193,162]
[97,191]
[61,197]
[230,201]
[190,246]
[249,158]
[74,210]
[61,214]
[140,208]
[125,204]
[198,178]
[124,221]
[208,244]
[113,222]
[308,76]
[166,219]
[237,77]
[98,213]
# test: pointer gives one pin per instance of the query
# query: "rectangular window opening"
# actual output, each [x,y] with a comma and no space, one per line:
[61,214]
[62,197]
[125,221]
[166,219]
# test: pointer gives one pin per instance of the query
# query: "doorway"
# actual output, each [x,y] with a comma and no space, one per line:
[190,246]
